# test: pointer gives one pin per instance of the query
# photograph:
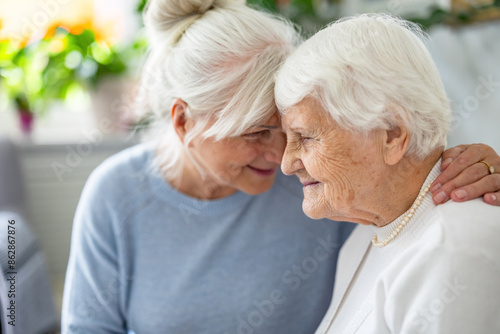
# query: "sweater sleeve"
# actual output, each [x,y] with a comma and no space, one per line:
[444,291]
[93,287]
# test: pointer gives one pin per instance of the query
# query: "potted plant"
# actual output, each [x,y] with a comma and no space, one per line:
[25,114]
[19,81]
[66,61]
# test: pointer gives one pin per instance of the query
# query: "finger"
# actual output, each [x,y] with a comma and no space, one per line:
[470,176]
[493,198]
[466,159]
[451,154]
[487,184]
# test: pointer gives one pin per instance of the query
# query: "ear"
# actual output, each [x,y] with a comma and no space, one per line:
[395,144]
[180,120]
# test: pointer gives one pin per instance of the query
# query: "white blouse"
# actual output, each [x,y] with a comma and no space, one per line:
[441,274]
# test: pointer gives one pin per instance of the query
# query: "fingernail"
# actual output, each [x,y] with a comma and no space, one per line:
[440,197]
[447,161]
[493,198]
[435,187]
[460,194]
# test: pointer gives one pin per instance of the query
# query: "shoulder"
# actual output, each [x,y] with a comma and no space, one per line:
[122,168]
[458,233]
[114,183]
[472,209]
[472,224]
[452,270]
[460,240]
[130,161]
[457,237]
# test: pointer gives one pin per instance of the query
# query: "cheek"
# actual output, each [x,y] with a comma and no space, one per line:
[333,170]
[246,152]
[234,158]
[318,165]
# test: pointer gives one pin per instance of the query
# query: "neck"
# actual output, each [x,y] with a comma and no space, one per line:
[197,184]
[404,183]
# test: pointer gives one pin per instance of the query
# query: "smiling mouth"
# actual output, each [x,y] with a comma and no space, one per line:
[306,184]
[262,172]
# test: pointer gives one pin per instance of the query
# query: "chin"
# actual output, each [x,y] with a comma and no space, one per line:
[257,189]
[312,213]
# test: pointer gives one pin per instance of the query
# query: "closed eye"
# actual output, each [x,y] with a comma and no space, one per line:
[258,134]
[305,139]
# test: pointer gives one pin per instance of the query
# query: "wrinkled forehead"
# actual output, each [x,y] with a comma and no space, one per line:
[307,112]
[274,120]
[291,116]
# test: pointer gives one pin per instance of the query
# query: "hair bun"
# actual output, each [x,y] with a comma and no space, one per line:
[166,20]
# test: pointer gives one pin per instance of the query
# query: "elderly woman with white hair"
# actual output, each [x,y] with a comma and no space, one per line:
[366,117]
[193,233]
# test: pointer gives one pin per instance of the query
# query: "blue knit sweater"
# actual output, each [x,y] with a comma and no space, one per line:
[148,259]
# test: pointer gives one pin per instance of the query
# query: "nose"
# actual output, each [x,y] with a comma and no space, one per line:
[275,148]
[290,163]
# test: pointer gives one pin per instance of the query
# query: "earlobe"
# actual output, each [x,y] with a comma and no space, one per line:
[395,143]
[179,118]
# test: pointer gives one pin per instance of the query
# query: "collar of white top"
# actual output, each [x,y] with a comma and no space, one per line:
[385,231]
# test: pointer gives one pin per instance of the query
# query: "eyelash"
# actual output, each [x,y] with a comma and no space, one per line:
[304,139]
[258,134]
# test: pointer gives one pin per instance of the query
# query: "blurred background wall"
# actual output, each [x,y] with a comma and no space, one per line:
[69,78]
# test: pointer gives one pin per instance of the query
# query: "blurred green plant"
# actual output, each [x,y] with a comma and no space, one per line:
[473,14]
[309,15]
[65,64]
[59,66]
[141,5]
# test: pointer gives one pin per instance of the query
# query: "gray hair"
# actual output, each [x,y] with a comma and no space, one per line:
[220,57]
[371,71]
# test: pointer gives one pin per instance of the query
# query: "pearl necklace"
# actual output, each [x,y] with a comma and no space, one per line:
[405,220]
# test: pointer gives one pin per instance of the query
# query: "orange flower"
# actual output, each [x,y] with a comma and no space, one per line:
[51,30]
[85,24]
[104,33]
[75,21]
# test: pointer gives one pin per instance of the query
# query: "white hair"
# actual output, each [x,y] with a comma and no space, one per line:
[370,71]
[220,57]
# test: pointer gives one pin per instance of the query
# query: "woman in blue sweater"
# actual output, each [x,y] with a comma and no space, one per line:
[198,231]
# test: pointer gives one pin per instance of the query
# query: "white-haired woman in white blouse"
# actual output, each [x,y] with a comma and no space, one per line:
[366,118]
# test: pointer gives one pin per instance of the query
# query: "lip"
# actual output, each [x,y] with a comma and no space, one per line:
[263,172]
[308,183]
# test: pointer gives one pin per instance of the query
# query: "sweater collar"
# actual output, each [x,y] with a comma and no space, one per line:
[427,203]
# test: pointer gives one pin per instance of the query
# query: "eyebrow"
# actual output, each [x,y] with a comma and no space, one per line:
[271,127]
[296,128]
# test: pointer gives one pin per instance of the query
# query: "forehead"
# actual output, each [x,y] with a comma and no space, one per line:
[307,112]
[272,122]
